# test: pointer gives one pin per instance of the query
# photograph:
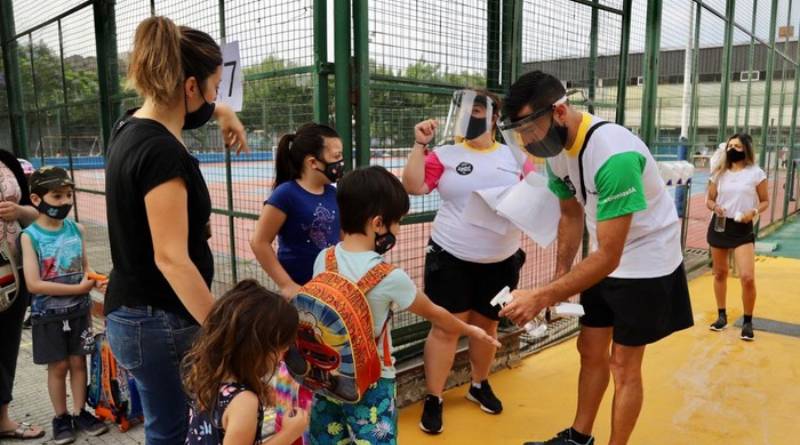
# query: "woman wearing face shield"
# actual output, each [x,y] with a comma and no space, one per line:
[737,194]
[465,265]
[158,209]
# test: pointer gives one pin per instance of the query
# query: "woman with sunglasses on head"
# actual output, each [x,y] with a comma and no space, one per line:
[465,265]
[737,194]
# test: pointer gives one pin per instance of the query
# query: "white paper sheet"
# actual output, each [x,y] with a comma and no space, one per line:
[533,208]
[481,210]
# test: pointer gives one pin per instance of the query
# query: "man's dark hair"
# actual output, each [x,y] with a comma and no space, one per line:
[366,193]
[537,89]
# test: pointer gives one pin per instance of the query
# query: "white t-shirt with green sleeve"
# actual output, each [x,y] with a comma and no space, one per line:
[395,292]
[621,178]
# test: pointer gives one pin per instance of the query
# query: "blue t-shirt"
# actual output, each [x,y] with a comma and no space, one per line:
[312,224]
[60,258]
[396,290]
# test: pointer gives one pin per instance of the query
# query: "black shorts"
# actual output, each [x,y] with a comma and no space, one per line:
[461,286]
[52,342]
[735,234]
[641,310]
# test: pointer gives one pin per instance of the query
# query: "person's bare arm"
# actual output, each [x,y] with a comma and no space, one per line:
[168,217]
[570,234]
[269,224]
[611,235]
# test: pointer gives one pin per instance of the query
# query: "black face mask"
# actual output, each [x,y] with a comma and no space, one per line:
[476,127]
[384,242]
[735,155]
[333,170]
[55,212]
[198,117]
[552,144]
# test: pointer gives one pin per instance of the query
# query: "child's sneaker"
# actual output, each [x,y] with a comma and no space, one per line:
[89,424]
[484,396]
[563,438]
[720,324]
[431,421]
[63,430]
[747,332]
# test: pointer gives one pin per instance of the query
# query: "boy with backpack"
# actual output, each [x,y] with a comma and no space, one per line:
[56,268]
[350,366]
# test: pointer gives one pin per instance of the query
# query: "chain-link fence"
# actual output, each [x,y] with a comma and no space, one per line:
[683,74]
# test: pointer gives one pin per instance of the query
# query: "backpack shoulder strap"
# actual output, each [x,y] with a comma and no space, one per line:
[374,276]
[330,260]
[580,156]
[384,335]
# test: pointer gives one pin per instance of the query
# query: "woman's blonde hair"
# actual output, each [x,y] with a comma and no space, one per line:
[165,55]
[749,154]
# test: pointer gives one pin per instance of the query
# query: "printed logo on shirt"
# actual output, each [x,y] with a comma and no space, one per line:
[620,195]
[464,168]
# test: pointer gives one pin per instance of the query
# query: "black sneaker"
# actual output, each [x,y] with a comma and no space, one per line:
[89,424]
[563,438]
[431,421]
[63,430]
[720,324]
[26,323]
[747,332]
[485,398]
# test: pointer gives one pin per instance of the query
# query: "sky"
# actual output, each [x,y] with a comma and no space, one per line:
[451,33]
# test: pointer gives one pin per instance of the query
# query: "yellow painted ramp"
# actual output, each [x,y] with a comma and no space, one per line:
[701,387]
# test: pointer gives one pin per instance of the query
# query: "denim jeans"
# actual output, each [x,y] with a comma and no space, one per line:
[150,343]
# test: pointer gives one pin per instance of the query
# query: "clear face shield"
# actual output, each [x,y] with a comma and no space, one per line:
[470,116]
[538,133]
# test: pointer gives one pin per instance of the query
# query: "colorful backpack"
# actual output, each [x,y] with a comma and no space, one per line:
[336,354]
[112,390]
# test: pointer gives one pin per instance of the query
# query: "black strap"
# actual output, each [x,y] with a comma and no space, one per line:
[580,156]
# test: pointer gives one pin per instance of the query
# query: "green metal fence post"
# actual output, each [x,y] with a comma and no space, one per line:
[511,42]
[792,137]
[320,61]
[751,54]
[35,96]
[65,121]
[624,45]
[695,107]
[229,174]
[493,44]
[105,31]
[516,64]
[593,31]
[650,70]
[768,84]
[765,121]
[341,30]
[361,71]
[16,115]
[725,83]
[782,104]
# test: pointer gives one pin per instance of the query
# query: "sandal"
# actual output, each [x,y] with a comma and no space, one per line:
[24,431]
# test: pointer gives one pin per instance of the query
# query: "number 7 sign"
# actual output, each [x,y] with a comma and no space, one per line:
[230,89]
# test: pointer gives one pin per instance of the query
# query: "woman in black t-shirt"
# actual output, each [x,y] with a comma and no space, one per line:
[158,209]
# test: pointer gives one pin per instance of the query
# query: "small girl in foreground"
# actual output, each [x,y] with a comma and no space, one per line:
[238,349]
